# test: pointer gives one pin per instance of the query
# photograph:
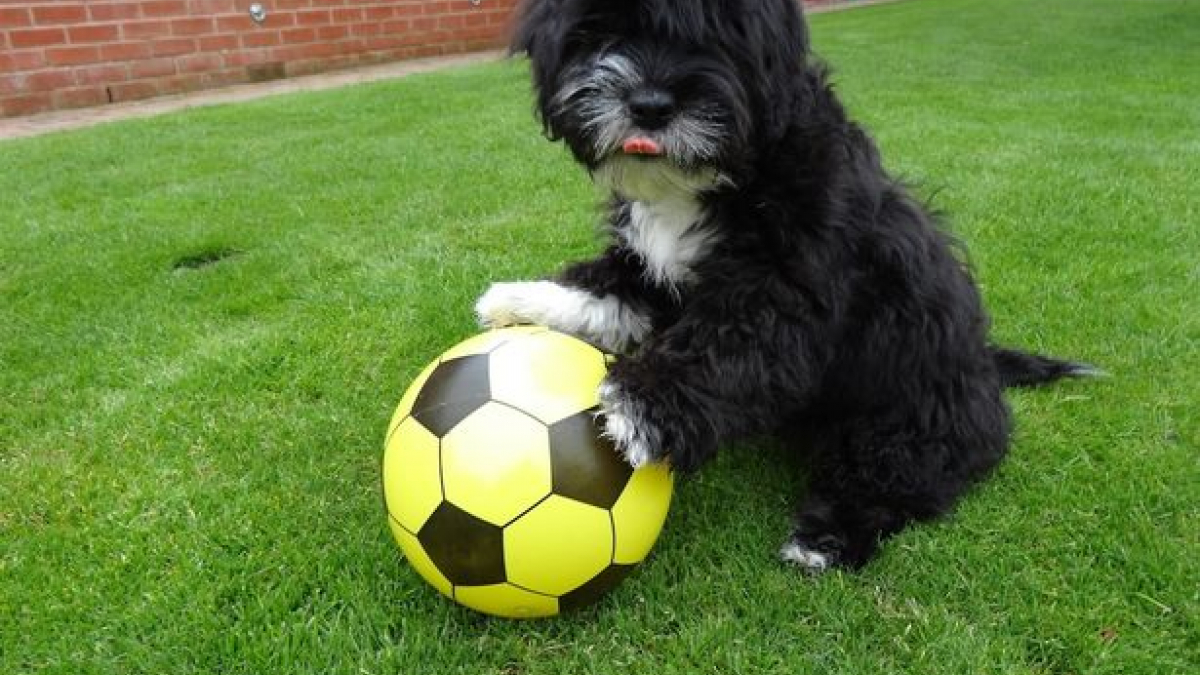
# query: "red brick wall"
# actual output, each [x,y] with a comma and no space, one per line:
[64,54]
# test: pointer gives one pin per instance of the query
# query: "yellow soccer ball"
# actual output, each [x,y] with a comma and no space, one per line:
[498,486]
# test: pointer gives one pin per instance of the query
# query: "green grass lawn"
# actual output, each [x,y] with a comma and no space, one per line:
[206,318]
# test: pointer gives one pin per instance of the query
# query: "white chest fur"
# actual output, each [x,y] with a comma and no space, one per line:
[670,236]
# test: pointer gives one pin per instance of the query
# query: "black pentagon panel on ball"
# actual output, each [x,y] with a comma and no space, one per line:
[584,464]
[454,390]
[593,589]
[466,550]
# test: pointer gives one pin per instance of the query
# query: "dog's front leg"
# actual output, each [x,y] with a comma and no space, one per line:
[703,383]
[603,301]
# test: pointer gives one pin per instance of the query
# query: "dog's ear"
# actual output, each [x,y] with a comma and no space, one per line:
[539,30]
[774,45]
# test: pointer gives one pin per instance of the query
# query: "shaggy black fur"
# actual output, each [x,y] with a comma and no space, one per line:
[826,306]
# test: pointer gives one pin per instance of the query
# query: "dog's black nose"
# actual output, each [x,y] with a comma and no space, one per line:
[651,108]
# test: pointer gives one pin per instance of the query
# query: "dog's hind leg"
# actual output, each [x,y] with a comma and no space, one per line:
[866,486]
[832,532]
[845,531]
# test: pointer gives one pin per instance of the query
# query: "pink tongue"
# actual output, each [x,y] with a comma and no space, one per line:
[640,145]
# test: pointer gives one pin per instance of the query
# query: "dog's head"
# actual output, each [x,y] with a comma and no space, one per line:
[658,94]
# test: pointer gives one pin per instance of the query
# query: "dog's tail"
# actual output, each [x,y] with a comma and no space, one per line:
[1021,369]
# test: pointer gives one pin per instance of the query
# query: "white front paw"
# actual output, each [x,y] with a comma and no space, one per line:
[627,426]
[505,304]
[603,321]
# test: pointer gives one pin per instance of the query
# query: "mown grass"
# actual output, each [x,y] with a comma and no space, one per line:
[206,317]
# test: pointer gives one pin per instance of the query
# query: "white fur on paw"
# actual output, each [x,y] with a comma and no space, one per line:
[504,304]
[605,321]
[798,554]
[625,426]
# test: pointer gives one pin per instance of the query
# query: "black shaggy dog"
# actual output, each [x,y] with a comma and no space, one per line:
[765,274]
